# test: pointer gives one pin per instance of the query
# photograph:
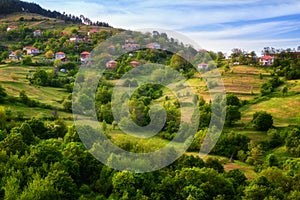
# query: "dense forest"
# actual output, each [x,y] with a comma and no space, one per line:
[12,6]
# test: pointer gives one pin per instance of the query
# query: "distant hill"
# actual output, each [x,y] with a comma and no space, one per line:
[16,6]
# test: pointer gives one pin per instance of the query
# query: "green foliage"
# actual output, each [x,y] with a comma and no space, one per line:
[104,126]
[271,160]
[26,60]
[4,55]
[269,86]
[57,129]
[292,142]
[42,78]
[3,118]
[214,164]
[229,144]
[26,132]
[275,138]
[284,91]
[287,65]
[11,188]
[262,121]
[266,89]
[232,100]
[238,177]
[232,114]
[67,104]
[71,135]
[38,127]
[13,144]
[3,94]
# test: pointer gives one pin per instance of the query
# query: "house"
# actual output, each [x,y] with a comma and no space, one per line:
[85,56]
[60,55]
[153,45]
[93,31]
[111,64]
[112,48]
[203,66]
[129,41]
[267,60]
[14,56]
[31,50]
[75,39]
[37,33]
[134,64]
[9,28]
[131,47]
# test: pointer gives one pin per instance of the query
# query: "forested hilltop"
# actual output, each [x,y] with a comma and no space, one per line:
[15,6]
[42,156]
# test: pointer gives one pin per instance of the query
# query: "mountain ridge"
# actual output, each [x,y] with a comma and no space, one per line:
[16,6]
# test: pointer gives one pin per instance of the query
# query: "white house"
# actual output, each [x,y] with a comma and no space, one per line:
[31,50]
[131,47]
[60,55]
[37,33]
[14,56]
[153,45]
[134,63]
[74,39]
[11,28]
[111,64]
[203,66]
[267,60]
[85,56]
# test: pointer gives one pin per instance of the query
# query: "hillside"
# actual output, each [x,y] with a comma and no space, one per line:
[16,6]
[50,149]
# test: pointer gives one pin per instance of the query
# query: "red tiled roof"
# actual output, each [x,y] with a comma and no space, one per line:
[203,63]
[267,58]
[85,53]
[94,31]
[60,53]
[29,47]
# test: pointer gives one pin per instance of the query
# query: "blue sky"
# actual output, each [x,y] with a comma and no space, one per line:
[213,24]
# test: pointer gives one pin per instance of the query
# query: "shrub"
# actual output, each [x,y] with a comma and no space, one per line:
[262,121]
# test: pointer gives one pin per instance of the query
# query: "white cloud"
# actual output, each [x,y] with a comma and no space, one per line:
[182,15]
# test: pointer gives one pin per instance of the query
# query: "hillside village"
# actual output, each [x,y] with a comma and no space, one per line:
[42,154]
[78,43]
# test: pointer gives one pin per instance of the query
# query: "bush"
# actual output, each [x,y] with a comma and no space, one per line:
[26,60]
[262,121]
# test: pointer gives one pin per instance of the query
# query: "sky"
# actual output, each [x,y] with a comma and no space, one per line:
[217,25]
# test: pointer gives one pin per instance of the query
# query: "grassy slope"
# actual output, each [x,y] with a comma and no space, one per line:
[42,22]
[243,81]
[13,79]
[45,22]
[285,110]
